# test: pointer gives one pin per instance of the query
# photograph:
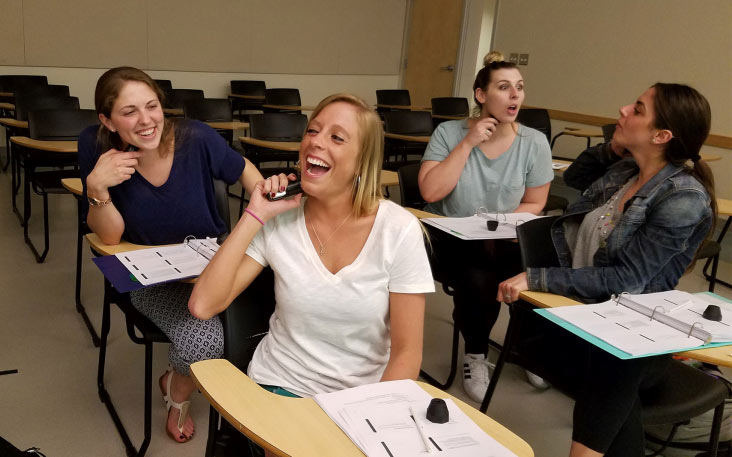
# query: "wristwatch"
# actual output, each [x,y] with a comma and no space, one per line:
[96,202]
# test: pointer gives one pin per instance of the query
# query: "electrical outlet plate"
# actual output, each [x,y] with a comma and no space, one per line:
[513,58]
[523,59]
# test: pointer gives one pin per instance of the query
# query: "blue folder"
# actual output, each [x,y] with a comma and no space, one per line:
[612,349]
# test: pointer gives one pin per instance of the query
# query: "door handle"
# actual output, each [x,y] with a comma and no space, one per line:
[447,68]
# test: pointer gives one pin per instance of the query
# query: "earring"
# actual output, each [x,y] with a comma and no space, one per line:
[654,140]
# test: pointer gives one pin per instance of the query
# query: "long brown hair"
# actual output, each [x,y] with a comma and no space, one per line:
[109,86]
[686,113]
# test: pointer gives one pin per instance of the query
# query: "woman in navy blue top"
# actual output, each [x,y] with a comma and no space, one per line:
[149,180]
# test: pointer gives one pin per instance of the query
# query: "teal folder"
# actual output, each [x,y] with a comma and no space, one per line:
[612,349]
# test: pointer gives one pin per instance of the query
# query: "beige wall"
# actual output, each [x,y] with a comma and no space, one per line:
[331,37]
[592,57]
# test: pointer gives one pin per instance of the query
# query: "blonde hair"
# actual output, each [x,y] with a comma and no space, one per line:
[493,56]
[367,181]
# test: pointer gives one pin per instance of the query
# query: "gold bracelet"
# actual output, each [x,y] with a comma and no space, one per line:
[99,203]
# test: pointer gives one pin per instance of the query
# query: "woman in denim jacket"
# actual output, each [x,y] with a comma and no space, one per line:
[636,228]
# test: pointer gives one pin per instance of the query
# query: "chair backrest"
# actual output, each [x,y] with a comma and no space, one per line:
[60,124]
[246,320]
[450,106]
[409,186]
[277,126]
[536,118]
[208,109]
[222,206]
[393,97]
[282,97]
[248,87]
[177,97]
[608,130]
[165,85]
[25,103]
[51,90]
[15,83]
[536,244]
[408,122]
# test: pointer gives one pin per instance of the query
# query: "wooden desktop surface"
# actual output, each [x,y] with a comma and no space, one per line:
[405,107]
[173,111]
[291,107]
[10,122]
[247,97]
[724,207]
[6,94]
[73,185]
[7,106]
[415,138]
[230,125]
[288,146]
[42,145]
[298,426]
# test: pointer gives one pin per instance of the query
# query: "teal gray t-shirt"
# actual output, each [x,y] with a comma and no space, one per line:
[497,184]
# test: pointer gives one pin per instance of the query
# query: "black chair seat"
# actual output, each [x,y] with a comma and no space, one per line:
[554,202]
[669,402]
[49,182]
[145,326]
[709,248]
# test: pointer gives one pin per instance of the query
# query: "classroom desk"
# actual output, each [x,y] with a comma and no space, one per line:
[414,138]
[247,97]
[298,426]
[229,125]
[73,185]
[717,355]
[10,122]
[7,106]
[6,94]
[290,107]
[173,111]
[37,153]
[405,107]
[286,146]
[709,157]
[10,125]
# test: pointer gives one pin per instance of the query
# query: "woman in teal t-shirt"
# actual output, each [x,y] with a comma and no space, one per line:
[493,162]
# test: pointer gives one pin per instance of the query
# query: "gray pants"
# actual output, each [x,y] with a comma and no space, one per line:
[192,339]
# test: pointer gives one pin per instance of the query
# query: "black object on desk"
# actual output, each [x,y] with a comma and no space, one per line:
[712,313]
[437,412]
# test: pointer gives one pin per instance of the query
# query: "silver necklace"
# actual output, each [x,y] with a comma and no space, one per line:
[322,245]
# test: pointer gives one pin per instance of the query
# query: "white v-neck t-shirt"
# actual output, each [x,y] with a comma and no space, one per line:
[331,331]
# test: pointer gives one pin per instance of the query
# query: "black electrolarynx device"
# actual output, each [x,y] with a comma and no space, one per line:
[293,188]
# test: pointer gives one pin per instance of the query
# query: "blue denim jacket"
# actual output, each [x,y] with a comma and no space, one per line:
[650,247]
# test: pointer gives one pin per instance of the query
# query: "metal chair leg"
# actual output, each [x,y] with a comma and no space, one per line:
[77,292]
[507,344]
[103,394]
[42,256]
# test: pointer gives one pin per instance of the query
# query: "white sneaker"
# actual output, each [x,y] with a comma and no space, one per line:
[537,381]
[475,376]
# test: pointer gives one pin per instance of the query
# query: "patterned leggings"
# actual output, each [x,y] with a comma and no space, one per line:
[192,339]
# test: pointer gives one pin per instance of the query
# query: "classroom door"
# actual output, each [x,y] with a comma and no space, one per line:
[432,49]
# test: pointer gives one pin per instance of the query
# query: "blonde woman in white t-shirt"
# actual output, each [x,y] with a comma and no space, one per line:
[350,268]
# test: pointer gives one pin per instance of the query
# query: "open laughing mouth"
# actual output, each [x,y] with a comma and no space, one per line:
[316,167]
[147,133]
[512,110]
